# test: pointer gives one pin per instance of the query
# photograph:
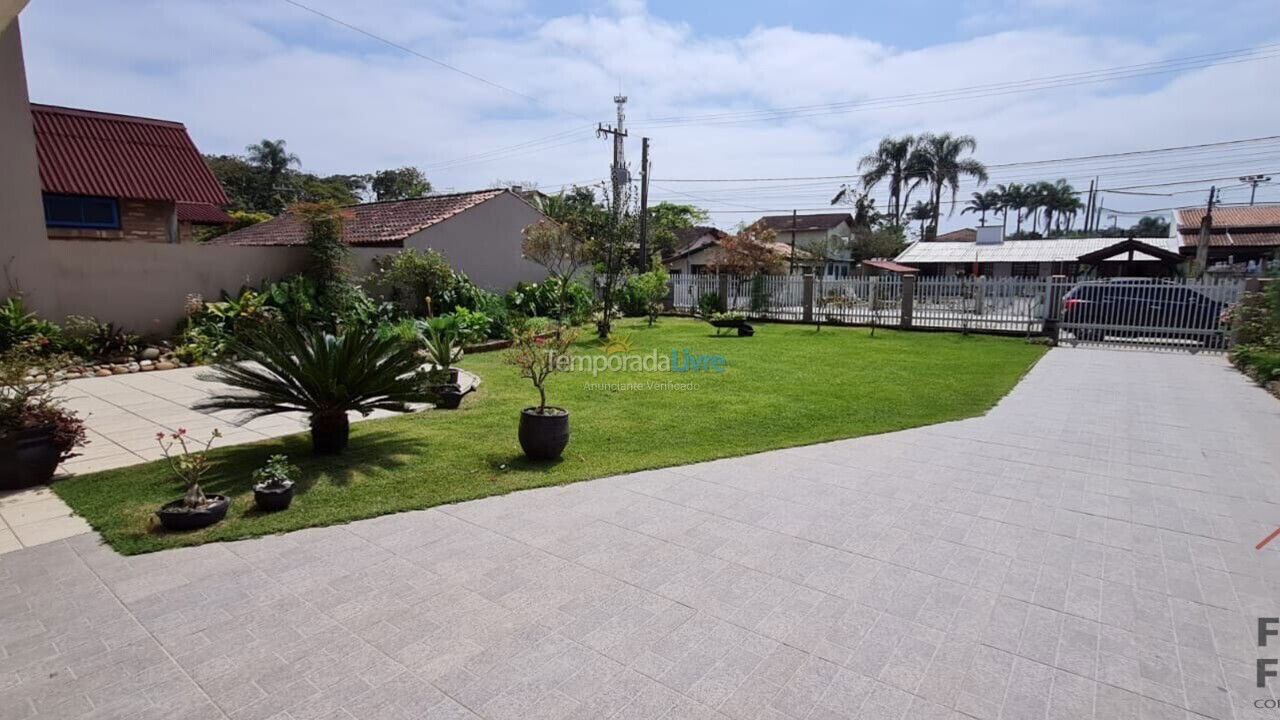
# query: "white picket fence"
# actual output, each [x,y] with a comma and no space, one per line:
[1009,305]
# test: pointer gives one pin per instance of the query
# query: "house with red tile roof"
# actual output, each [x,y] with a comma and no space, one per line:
[1242,240]
[114,177]
[478,232]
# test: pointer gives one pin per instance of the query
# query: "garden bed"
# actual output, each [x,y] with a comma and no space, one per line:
[786,386]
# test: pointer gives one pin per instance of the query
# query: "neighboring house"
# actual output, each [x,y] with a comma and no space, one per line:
[479,233]
[122,178]
[803,231]
[1073,257]
[1243,239]
[702,254]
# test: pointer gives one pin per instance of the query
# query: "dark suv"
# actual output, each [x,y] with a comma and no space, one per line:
[1141,308]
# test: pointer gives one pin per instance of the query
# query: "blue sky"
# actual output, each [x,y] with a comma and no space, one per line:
[236,71]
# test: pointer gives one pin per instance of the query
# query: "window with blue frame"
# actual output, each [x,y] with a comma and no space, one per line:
[81,211]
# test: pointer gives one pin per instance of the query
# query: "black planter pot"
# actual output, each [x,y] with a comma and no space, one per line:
[329,433]
[272,499]
[544,436]
[450,396]
[174,518]
[27,457]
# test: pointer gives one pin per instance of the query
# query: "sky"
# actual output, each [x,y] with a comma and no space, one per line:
[526,84]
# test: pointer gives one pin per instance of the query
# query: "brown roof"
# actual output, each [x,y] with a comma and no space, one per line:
[371,224]
[1256,216]
[961,235]
[804,223]
[890,266]
[202,213]
[685,236]
[82,152]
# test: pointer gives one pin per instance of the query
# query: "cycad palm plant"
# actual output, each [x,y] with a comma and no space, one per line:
[293,369]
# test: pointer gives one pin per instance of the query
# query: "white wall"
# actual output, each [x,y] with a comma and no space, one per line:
[484,242]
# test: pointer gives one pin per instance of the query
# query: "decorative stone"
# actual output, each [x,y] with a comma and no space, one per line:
[122,360]
[165,366]
[148,368]
[41,378]
[102,372]
[145,363]
[149,354]
[119,370]
[73,376]
[132,367]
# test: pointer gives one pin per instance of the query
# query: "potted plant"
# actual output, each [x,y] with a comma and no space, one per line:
[36,432]
[544,429]
[309,370]
[273,484]
[195,509]
[442,337]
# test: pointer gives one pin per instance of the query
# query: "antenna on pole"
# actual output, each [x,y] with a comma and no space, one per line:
[618,171]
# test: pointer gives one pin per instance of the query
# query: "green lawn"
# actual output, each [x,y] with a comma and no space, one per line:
[786,386]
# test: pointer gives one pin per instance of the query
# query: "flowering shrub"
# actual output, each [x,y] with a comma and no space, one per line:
[189,465]
[538,358]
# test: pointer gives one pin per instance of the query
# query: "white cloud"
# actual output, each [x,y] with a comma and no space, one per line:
[238,71]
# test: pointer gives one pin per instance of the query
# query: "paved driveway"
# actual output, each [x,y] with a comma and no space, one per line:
[1083,551]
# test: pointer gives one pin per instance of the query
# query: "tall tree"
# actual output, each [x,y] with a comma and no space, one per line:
[1150,226]
[666,218]
[889,161]
[1012,197]
[271,157]
[399,184]
[937,162]
[983,203]
[923,212]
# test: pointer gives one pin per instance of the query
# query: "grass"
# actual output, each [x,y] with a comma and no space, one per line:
[786,386]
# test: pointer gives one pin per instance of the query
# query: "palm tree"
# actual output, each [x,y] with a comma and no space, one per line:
[923,212]
[271,157]
[936,162]
[1066,203]
[295,369]
[982,203]
[1012,197]
[889,160]
[1037,199]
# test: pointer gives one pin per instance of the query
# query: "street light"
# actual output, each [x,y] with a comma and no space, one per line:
[1253,181]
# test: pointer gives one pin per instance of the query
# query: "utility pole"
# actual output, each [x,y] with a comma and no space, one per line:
[618,171]
[793,241]
[1206,229]
[1253,181]
[1088,208]
[644,204]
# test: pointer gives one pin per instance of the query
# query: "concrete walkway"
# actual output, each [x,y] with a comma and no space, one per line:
[1083,551]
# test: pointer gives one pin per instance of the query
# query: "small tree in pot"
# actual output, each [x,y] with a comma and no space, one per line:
[273,484]
[36,432]
[196,509]
[544,429]
[443,339]
[323,375]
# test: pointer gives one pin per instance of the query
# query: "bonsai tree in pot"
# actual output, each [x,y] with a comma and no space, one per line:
[544,429]
[36,432]
[196,509]
[442,337]
[273,484]
[326,376]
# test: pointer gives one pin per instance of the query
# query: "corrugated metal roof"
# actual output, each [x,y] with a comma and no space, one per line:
[82,152]
[371,224]
[1055,250]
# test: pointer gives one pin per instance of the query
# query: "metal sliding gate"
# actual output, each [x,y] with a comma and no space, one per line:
[1177,315]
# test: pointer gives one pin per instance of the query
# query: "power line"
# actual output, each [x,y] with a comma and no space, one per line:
[428,58]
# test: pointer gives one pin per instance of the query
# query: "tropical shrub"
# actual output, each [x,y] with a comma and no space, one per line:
[27,402]
[708,304]
[407,278]
[277,474]
[17,325]
[473,325]
[646,291]
[90,339]
[323,374]
[544,300]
